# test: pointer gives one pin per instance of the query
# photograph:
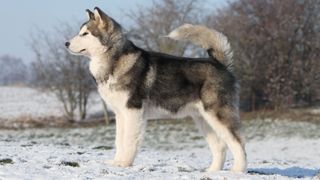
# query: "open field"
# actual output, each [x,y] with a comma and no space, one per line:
[277,149]
[23,107]
[28,102]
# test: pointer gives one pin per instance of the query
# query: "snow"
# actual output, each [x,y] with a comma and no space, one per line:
[172,150]
[44,162]
[276,149]
[18,102]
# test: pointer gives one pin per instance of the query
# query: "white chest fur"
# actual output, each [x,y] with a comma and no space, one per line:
[99,66]
[109,91]
[116,99]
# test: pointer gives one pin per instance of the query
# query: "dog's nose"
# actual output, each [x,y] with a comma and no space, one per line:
[67,44]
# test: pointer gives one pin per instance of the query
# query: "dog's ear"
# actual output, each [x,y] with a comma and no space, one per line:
[104,20]
[101,16]
[90,15]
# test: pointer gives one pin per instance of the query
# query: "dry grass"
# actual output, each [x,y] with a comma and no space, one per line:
[290,114]
[24,122]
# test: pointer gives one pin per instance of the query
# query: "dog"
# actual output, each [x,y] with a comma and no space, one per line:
[140,85]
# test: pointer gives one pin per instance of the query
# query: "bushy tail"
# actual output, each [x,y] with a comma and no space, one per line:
[213,41]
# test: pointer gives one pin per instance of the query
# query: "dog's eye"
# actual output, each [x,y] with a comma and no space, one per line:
[84,34]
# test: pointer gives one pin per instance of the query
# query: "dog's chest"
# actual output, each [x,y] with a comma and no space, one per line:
[114,97]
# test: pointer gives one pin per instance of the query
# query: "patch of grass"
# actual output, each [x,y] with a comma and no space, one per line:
[64,144]
[205,178]
[196,137]
[46,167]
[6,161]
[69,163]
[183,169]
[103,147]
[26,122]
[258,173]
[26,145]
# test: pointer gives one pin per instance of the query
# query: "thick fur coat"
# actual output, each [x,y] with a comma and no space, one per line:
[140,85]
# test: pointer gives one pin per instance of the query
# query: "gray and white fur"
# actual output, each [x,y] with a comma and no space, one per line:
[140,85]
[208,39]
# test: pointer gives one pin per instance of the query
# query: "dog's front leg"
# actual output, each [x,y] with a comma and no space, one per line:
[134,127]
[119,136]
[119,140]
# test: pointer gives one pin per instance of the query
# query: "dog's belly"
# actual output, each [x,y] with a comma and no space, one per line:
[117,101]
[154,112]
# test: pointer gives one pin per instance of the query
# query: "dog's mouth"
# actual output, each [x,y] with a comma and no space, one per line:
[82,50]
[77,53]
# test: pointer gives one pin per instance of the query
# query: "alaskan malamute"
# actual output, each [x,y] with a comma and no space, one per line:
[139,85]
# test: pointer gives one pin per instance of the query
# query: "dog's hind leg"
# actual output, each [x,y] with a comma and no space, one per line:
[225,130]
[216,145]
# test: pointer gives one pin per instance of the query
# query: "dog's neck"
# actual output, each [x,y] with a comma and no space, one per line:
[100,66]
[115,61]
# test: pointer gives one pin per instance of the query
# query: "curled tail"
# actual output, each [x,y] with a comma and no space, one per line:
[213,41]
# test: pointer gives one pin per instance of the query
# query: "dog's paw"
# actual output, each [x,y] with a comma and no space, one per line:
[238,169]
[213,169]
[116,163]
[110,162]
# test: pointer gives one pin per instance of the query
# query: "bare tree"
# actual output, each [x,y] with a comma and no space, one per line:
[152,22]
[62,73]
[277,49]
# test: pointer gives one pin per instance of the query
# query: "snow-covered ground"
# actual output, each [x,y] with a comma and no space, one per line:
[15,102]
[172,150]
[277,149]
[18,102]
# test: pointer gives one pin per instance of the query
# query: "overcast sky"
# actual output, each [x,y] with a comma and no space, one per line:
[19,17]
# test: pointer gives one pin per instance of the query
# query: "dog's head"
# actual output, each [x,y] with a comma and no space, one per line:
[97,36]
